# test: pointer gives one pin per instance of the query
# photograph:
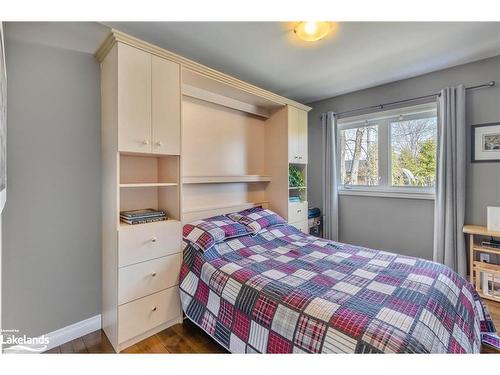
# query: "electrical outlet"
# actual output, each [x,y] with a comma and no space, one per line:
[484,257]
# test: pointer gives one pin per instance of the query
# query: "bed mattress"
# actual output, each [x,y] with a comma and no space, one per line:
[281,291]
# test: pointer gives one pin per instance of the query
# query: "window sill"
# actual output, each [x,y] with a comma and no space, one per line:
[387,194]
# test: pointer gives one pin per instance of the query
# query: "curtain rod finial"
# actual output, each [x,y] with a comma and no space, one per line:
[491,83]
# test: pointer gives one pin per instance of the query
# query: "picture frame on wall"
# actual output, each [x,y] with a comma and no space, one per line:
[485,143]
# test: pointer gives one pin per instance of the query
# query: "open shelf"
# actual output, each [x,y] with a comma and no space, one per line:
[191,214]
[224,179]
[491,298]
[148,171]
[297,187]
[214,207]
[495,268]
[152,184]
[485,249]
[216,91]
[150,181]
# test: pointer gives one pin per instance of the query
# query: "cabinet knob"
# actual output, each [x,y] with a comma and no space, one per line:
[159,143]
[153,274]
[299,211]
[145,142]
[154,239]
[153,309]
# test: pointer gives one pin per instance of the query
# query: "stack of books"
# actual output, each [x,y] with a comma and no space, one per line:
[142,216]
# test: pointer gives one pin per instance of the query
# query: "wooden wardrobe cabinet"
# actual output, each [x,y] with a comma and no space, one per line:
[148,102]
[297,135]
[250,137]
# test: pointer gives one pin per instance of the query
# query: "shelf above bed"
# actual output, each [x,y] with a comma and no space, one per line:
[224,179]
[152,184]
[191,214]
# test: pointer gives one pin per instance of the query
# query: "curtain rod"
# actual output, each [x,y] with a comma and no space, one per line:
[381,106]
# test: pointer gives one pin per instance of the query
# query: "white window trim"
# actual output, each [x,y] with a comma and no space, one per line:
[385,189]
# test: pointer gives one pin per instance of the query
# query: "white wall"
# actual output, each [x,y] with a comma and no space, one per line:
[52,220]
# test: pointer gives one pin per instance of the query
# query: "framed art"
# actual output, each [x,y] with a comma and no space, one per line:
[485,140]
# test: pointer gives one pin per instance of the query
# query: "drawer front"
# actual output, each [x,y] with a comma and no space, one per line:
[147,313]
[297,212]
[303,226]
[142,242]
[145,278]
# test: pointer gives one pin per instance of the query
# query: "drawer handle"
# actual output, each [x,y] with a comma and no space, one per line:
[153,274]
[153,309]
[154,239]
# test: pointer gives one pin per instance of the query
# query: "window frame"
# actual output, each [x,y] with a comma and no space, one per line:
[385,187]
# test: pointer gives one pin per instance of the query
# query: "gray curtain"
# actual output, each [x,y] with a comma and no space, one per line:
[330,194]
[449,211]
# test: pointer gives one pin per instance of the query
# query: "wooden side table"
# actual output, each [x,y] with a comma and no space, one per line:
[475,232]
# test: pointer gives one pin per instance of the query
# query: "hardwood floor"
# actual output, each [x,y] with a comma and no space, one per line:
[183,338]
[178,339]
[494,309]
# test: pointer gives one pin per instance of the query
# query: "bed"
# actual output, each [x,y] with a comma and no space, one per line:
[281,291]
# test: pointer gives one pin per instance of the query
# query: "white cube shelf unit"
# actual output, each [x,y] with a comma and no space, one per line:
[192,141]
[150,181]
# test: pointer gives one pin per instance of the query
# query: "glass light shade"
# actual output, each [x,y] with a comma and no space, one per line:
[312,31]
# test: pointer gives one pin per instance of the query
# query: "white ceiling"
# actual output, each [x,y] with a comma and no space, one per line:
[358,55]
[355,56]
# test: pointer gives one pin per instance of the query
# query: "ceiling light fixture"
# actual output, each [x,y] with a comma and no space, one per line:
[312,31]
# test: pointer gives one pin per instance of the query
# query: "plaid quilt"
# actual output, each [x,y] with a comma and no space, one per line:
[281,291]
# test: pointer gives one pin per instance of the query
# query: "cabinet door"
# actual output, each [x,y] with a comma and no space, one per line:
[166,106]
[293,135]
[134,99]
[302,136]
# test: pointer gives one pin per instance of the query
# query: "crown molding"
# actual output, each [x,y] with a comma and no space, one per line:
[117,36]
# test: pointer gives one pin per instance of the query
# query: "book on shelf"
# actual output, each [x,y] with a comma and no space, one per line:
[142,216]
[142,213]
[144,221]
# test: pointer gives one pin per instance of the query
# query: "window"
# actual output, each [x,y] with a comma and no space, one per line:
[389,153]
[359,155]
[413,152]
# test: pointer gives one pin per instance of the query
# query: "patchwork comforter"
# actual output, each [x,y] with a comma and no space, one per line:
[281,291]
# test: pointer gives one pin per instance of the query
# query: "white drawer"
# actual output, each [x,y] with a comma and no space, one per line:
[302,226]
[145,278]
[297,212]
[144,314]
[138,243]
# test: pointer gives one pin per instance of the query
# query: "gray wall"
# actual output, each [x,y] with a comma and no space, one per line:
[406,225]
[51,223]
